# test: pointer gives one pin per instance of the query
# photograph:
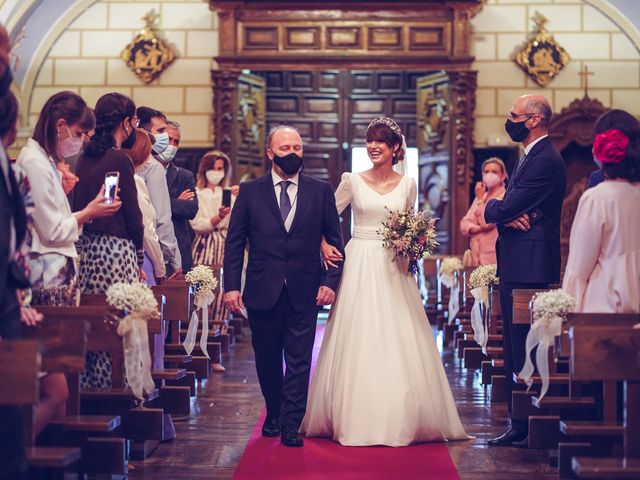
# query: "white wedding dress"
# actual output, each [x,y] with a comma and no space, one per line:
[379,379]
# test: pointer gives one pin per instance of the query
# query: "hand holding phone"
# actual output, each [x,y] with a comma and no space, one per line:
[226,197]
[111,180]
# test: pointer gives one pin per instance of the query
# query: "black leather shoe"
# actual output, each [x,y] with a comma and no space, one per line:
[521,444]
[291,437]
[507,438]
[271,427]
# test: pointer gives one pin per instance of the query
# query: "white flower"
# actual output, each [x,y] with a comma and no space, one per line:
[132,297]
[548,306]
[450,265]
[483,276]
[202,279]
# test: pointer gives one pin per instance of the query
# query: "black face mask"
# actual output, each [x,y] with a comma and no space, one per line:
[130,141]
[5,81]
[290,164]
[518,131]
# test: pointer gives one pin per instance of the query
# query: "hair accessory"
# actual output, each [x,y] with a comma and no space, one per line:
[387,122]
[610,146]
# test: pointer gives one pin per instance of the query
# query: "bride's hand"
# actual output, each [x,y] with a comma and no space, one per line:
[330,255]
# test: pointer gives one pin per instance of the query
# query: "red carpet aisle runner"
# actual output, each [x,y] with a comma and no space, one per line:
[265,459]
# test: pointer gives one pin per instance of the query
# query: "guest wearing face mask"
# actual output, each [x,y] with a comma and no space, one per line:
[154,176]
[482,235]
[182,188]
[111,250]
[212,221]
[63,123]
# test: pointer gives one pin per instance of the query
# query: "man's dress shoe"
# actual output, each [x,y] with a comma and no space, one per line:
[271,427]
[507,438]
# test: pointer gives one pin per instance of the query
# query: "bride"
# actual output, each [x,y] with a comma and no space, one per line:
[379,379]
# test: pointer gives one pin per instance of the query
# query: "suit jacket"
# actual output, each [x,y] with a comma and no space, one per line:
[276,256]
[537,189]
[179,180]
[11,212]
[595,178]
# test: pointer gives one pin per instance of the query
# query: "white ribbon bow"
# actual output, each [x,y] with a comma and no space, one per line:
[478,317]
[542,335]
[137,358]
[202,301]
[452,281]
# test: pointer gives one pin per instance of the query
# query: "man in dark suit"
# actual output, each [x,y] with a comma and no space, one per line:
[528,246]
[13,221]
[184,203]
[284,216]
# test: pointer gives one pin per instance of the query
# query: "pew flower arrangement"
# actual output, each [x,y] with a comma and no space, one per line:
[479,282]
[409,234]
[203,282]
[136,305]
[448,269]
[550,310]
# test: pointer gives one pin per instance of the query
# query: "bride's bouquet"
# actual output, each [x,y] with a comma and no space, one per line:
[409,234]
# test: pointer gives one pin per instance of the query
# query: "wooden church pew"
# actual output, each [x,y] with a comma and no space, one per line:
[143,425]
[610,354]
[172,398]
[20,362]
[63,350]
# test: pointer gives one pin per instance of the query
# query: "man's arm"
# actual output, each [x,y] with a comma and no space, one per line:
[332,232]
[236,241]
[159,195]
[531,192]
[185,209]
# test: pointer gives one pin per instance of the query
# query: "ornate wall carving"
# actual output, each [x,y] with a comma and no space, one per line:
[374,40]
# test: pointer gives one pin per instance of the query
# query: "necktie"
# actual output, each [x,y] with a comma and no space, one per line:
[285,202]
[520,164]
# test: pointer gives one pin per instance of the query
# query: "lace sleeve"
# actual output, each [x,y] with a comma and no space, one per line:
[344,194]
[412,194]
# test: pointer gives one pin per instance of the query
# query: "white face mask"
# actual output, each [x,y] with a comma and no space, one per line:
[214,177]
[491,179]
[167,155]
[161,143]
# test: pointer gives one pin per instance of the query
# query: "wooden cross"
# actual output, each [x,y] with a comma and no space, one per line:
[584,73]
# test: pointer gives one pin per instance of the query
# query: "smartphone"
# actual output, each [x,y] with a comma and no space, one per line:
[111,180]
[226,197]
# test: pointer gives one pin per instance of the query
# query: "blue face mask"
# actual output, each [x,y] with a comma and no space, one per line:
[162,142]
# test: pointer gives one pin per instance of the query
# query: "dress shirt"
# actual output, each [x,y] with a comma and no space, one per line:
[292,191]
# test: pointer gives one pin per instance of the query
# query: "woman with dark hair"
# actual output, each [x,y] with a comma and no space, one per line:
[111,250]
[153,259]
[59,132]
[212,222]
[386,327]
[603,268]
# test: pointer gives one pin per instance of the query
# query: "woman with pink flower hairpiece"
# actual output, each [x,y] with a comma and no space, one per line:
[603,268]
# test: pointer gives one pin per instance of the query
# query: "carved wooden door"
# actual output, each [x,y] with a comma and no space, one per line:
[434,150]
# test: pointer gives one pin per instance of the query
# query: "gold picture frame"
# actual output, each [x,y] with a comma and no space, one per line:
[148,55]
[542,57]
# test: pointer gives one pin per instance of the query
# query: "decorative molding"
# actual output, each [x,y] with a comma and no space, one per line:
[225,86]
[575,123]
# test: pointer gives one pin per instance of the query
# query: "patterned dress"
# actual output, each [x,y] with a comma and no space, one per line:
[104,260]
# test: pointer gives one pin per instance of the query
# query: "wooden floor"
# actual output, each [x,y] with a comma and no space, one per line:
[209,445]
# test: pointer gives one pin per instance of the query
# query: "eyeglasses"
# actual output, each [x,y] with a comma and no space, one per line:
[513,116]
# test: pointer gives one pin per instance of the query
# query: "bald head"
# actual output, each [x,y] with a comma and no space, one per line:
[538,105]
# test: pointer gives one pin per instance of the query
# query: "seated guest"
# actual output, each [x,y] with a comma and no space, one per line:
[483,235]
[111,250]
[52,228]
[153,260]
[212,222]
[155,176]
[603,268]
